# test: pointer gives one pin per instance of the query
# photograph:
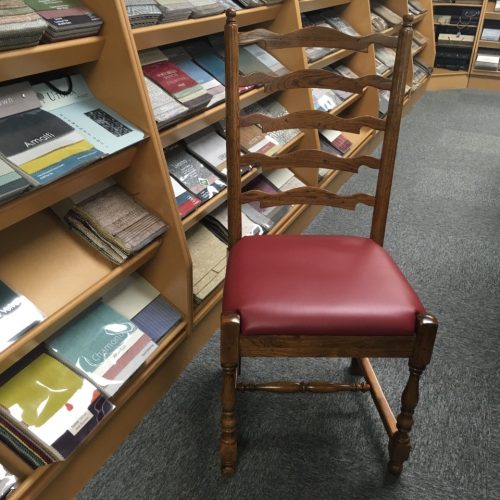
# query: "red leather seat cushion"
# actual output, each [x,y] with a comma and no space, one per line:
[318,285]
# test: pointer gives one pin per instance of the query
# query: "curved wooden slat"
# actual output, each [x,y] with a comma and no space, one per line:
[315,78]
[309,196]
[315,36]
[312,119]
[309,158]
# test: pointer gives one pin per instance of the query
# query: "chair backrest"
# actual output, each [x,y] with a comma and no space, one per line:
[308,119]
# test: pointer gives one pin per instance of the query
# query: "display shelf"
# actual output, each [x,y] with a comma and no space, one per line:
[494,16]
[58,272]
[330,59]
[311,5]
[484,72]
[45,196]
[485,44]
[168,33]
[19,63]
[457,4]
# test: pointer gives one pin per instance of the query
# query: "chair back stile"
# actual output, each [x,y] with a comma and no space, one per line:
[233,127]
[391,136]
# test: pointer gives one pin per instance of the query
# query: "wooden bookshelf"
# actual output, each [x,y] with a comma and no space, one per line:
[41,258]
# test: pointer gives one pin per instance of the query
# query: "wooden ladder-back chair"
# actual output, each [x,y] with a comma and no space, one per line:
[315,295]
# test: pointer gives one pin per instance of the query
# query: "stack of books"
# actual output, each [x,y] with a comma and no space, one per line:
[38,144]
[171,78]
[186,201]
[416,8]
[334,19]
[209,255]
[21,26]
[337,140]
[166,109]
[325,99]
[487,61]
[204,8]
[174,10]
[378,22]
[491,34]
[66,19]
[47,410]
[141,303]
[420,73]
[389,15]
[112,222]
[386,55]
[103,346]
[143,12]
[191,173]
[343,70]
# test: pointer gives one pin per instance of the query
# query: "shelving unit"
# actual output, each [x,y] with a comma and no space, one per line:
[479,78]
[42,259]
[468,77]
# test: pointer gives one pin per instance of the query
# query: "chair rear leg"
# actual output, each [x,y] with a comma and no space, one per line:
[399,443]
[229,356]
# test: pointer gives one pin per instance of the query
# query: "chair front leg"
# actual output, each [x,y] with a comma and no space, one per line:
[399,443]
[229,355]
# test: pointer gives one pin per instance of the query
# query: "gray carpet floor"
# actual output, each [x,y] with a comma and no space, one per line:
[444,231]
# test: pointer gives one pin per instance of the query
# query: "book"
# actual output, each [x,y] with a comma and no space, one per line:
[181,57]
[389,15]
[416,7]
[75,104]
[185,200]
[12,184]
[166,109]
[283,178]
[491,34]
[209,256]
[497,6]
[264,217]
[112,218]
[266,59]
[192,173]
[487,61]
[314,53]
[140,302]
[386,55]
[142,12]
[204,8]
[378,23]
[208,146]
[53,405]
[337,139]
[40,145]
[178,84]
[253,140]
[270,106]
[103,346]
[333,18]
[174,10]
[17,315]
[325,99]
[8,482]
[383,100]
[217,223]
[66,19]
[20,25]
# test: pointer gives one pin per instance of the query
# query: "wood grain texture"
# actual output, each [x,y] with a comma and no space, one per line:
[307,196]
[400,444]
[378,397]
[312,119]
[391,136]
[309,158]
[326,346]
[229,356]
[315,78]
[232,127]
[315,36]
[285,387]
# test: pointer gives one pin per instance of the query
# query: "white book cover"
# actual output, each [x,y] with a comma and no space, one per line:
[266,58]
[210,148]
[100,125]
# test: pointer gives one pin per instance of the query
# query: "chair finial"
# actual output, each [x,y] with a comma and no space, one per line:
[408,21]
[230,16]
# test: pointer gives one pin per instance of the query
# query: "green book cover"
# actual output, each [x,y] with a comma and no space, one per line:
[102,345]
